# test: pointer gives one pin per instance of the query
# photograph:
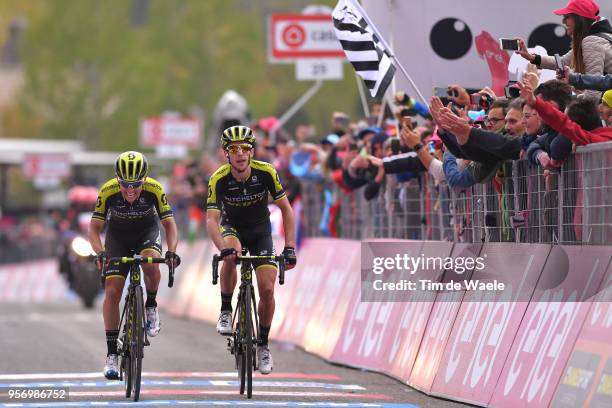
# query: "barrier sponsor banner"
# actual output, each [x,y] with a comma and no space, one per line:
[484,329]
[569,281]
[322,262]
[366,336]
[186,278]
[439,326]
[587,378]
[206,298]
[340,285]
[36,281]
[412,317]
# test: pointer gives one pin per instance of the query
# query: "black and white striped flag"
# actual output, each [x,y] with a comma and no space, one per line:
[363,49]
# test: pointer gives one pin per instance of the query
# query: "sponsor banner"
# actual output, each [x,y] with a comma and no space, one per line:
[366,332]
[323,268]
[186,277]
[485,325]
[28,282]
[439,326]
[340,286]
[569,281]
[205,300]
[587,378]
[412,319]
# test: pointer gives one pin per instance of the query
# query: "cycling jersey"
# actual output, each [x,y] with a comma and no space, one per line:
[121,215]
[244,203]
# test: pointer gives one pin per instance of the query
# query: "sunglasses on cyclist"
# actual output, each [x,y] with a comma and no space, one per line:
[246,148]
[131,184]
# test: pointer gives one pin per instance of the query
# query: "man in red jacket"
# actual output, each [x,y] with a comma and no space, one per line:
[581,122]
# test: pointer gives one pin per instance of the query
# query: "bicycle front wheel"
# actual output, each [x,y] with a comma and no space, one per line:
[248,334]
[138,344]
[240,342]
[128,333]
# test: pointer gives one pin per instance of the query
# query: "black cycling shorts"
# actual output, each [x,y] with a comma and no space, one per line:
[256,239]
[119,243]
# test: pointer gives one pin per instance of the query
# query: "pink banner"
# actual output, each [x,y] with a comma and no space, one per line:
[587,378]
[542,345]
[412,318]
[186,278]
[439,326]
[29,282]
[326,267]
[367,333]
[487,320]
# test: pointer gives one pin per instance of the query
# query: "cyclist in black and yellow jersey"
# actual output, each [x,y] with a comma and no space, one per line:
[237,217]
[130,205]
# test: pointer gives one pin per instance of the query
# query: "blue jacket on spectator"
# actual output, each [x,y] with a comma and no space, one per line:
[556,145]
[454,177]
[594,82]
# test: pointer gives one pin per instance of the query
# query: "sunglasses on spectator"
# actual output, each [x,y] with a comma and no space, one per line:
[131,184]
[246,148]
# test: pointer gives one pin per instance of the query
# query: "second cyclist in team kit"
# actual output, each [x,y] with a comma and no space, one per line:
[129,206]
[238,217]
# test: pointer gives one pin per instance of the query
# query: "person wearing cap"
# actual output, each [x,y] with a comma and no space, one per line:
[591,35]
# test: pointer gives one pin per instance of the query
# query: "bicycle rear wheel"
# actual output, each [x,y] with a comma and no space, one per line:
[137,352]
[248,334]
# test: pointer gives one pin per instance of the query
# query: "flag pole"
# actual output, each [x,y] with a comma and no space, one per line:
[362,96]
[363,13]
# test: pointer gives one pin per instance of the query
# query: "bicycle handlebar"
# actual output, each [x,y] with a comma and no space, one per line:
[276,258]
[138,260]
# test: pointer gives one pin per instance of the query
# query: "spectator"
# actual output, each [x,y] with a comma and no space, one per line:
[414,141]
[555,146]
[340,123]
[605,108]
[495,120]
[591,35]
[361,171]
[581,124]
[514,118]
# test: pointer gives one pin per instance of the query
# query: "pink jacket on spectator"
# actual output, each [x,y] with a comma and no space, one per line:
[565,126]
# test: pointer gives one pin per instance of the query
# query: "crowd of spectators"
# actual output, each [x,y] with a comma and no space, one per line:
[28,236]
[462,139]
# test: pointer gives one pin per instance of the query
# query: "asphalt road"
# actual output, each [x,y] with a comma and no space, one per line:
[63,345]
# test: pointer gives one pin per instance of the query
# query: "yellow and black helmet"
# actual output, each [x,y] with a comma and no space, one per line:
[131,166]
[237,134]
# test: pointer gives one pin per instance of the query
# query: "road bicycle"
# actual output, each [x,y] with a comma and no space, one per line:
[244,339]
[133,337]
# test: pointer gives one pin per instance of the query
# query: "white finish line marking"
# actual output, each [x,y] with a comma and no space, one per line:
[203,403]
[171,374]
[194,383]
[311,394]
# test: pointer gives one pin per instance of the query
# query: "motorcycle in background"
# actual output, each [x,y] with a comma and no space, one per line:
[75,251]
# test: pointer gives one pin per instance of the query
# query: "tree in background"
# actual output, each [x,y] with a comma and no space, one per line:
[94,69]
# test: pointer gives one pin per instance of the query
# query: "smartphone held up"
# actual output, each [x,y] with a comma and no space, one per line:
[509,44]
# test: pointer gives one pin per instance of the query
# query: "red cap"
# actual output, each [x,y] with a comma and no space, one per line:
[584,8]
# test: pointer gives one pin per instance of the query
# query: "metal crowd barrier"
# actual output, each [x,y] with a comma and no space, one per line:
[569,205]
